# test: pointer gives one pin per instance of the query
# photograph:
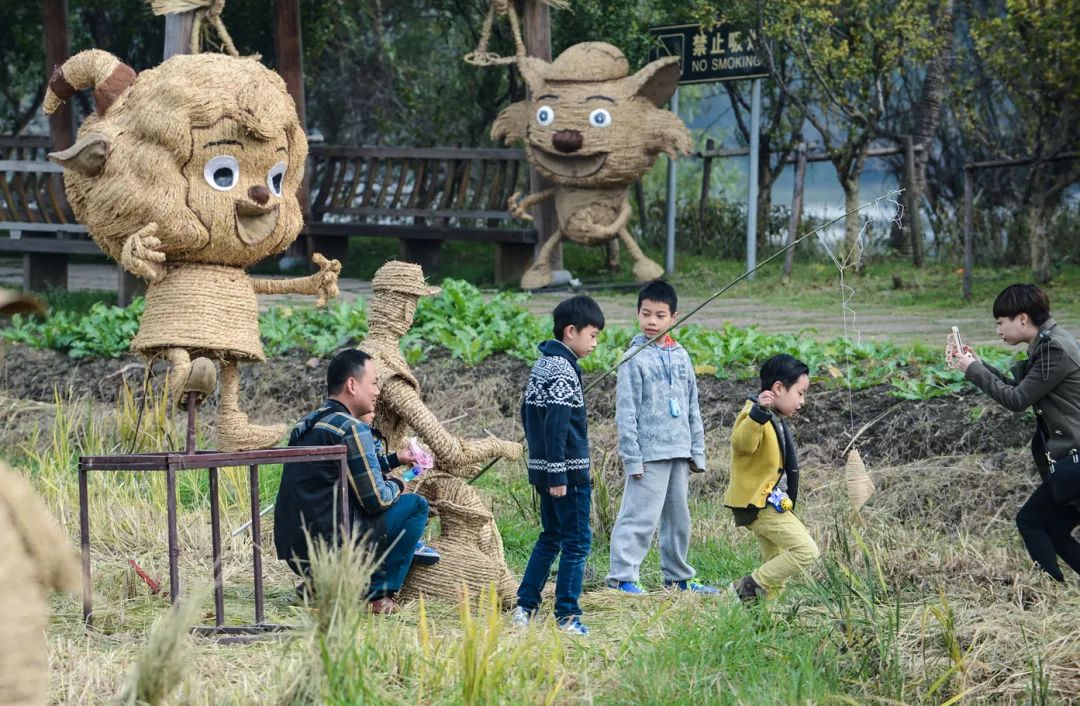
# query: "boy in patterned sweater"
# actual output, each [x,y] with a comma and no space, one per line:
[556,431]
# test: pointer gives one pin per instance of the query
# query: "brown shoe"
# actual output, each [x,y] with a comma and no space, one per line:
[747,589]
[383,606]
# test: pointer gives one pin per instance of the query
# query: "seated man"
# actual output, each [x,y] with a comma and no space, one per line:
[380,511]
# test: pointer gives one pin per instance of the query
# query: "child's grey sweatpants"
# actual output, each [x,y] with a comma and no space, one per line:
[658,498]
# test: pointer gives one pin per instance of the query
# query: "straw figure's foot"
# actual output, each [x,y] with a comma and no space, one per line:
[201,379]
[235,433]
[645,270]
[537,276]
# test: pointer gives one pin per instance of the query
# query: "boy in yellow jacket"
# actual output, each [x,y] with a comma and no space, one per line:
[763,454]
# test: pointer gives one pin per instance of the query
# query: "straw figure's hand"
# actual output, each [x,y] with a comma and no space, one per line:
[140,255]
[326,279]
[516,208]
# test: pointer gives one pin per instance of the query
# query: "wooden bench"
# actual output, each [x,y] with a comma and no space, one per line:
[421,197]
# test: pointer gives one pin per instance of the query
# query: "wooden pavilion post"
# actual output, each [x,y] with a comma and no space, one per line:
[537,20]
[42,271]
[289,56]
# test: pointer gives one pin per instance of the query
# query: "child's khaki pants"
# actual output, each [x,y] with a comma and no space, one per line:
[787,547]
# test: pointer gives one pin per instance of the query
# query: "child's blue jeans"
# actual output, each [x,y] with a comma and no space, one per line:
[566,531]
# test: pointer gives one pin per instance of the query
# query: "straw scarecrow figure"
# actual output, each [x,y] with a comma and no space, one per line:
[187,174]
[35,559]
[592,130]
[470,543]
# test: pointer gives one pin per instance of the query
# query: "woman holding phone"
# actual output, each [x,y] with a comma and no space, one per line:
[1049,382]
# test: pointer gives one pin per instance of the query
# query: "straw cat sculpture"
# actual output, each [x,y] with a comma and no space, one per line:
[592,130]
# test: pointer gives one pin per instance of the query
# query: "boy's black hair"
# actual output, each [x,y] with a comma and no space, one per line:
[579,312]
[348,363]
[1019,299]
[785,369]
[659,291]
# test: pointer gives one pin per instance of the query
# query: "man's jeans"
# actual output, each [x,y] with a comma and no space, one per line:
[405,521]
[565,523]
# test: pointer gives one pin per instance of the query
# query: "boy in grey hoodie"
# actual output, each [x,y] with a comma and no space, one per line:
[661,441]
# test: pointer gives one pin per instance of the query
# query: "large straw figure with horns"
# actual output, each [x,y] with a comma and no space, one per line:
[187,174]
[592,129]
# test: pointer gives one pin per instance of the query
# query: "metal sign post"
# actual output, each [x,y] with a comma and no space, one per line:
[752,191]
[669,254]
[721,52]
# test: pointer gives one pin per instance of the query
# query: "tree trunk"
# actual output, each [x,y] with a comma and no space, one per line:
[852,253]
[1038,226]
[764,194]
[929,107]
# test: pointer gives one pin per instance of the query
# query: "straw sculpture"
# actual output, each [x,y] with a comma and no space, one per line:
[503,8]
[470,543]
[592,130]
[35,559]
[187,174]
[859,485]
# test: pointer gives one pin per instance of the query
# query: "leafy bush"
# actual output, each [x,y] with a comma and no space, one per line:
[472,328]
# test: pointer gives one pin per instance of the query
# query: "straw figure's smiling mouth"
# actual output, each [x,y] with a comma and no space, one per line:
[254,223]
[570,165]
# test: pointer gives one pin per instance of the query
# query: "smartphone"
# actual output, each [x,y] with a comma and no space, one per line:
[956,337]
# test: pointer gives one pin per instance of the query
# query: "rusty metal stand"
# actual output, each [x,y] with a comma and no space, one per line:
[191,459]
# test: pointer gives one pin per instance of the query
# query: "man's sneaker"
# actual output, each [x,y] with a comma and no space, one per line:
[425,555]
[520,617]
[573,626]
[631,587]
[692,586]
[747,589]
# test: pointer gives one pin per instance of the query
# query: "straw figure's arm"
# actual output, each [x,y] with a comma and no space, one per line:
[322,284]
[517,210]
[140,255]
[450,452]
[620,222]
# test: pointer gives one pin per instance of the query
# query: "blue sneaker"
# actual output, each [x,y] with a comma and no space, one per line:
[631,587]
[692,586]
[573,626]
[425,555]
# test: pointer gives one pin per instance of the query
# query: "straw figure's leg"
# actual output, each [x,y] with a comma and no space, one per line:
[539,275]
[187,375]
[613,254]
[234,431]
[644,268]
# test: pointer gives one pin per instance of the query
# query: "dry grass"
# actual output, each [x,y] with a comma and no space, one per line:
[937,599]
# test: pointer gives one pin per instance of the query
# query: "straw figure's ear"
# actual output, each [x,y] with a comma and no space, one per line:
[668,135]
[657,81]
[87,156]
[534,71]
[512,123]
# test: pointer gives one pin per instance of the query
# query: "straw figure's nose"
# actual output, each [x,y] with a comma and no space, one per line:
[567,140]
[259,194]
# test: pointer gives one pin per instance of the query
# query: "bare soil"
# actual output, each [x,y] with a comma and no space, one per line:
[486,397]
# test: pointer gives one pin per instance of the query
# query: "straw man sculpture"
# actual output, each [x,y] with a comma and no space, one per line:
[187,174]
[470,544]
